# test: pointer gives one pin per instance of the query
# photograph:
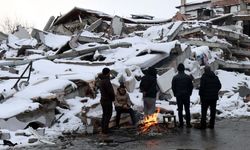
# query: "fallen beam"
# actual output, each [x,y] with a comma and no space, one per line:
[240,52]
[232,65]
[69,54]
[189,31]
[205,43]
[85,63]
[178,27]
[86,39]
[94,25]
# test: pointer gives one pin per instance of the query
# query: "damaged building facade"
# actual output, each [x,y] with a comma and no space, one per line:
[205,10]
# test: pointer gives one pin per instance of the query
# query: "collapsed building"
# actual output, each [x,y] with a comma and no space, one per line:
[92,39]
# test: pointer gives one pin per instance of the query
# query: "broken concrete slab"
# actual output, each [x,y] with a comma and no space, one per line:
[117,26]
[206,43]
[231,65]
[3,36]
[164,80]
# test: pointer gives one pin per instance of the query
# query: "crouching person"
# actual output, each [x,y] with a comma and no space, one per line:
[123,105]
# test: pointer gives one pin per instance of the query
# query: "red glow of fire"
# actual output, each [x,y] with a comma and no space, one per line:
[149,121]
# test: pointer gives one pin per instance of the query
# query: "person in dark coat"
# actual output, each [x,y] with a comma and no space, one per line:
[209,88]
[182,87]
[123,104]
[107,97]
[148,87]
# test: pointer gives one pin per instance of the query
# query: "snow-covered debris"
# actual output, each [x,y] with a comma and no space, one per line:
[55,41]
[16,43]
[161,32]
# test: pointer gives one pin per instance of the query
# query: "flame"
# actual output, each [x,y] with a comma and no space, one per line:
[150,120]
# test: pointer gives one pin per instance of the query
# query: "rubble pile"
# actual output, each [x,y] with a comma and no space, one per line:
[59,93]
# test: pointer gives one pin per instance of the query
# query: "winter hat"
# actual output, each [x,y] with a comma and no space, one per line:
[105,71]
[181,67]
[207,69]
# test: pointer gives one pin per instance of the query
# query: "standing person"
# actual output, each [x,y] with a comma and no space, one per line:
[209,88]
[182,87]
[148,87]
[107,97]
[123,104]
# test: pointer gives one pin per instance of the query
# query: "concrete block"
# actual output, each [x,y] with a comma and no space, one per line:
[32,140]
[4,135]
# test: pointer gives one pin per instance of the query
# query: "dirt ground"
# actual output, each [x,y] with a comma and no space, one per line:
[229,134]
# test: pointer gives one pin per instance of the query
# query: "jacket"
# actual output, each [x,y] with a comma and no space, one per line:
[122,100]
[148,85]
[209,86]
[106,89]
[182,85]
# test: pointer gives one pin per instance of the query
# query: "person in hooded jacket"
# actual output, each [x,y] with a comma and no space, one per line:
[123,104]
[182,88]
[148,87]
[107,97]
[209,88]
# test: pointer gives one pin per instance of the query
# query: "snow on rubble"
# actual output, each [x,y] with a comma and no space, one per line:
[66,84]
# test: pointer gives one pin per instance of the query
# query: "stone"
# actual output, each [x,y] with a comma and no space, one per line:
[4,135]
[32,140]
[90,129]
[195,115]
[41,131]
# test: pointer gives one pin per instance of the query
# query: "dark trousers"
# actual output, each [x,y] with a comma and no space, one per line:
[183,101]
[120,110]
[204,107]
[107,110]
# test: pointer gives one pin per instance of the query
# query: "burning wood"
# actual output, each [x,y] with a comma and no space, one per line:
[149,121]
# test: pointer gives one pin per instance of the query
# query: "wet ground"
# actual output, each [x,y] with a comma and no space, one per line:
[233,134]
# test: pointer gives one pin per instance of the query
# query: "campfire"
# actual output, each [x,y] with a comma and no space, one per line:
[149,121]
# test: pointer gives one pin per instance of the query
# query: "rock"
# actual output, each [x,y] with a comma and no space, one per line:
[66,120]
[248,109]
[4,136]
[9,143]
[35,125]
[41,131]
[196,115]
[32,140]
[21,134]
[172,103]
[90,129]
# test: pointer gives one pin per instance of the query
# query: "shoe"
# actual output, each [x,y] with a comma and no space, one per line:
[117,127]
[180,126]
[201,128]
[210,126]
[104,134]
[189,126]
